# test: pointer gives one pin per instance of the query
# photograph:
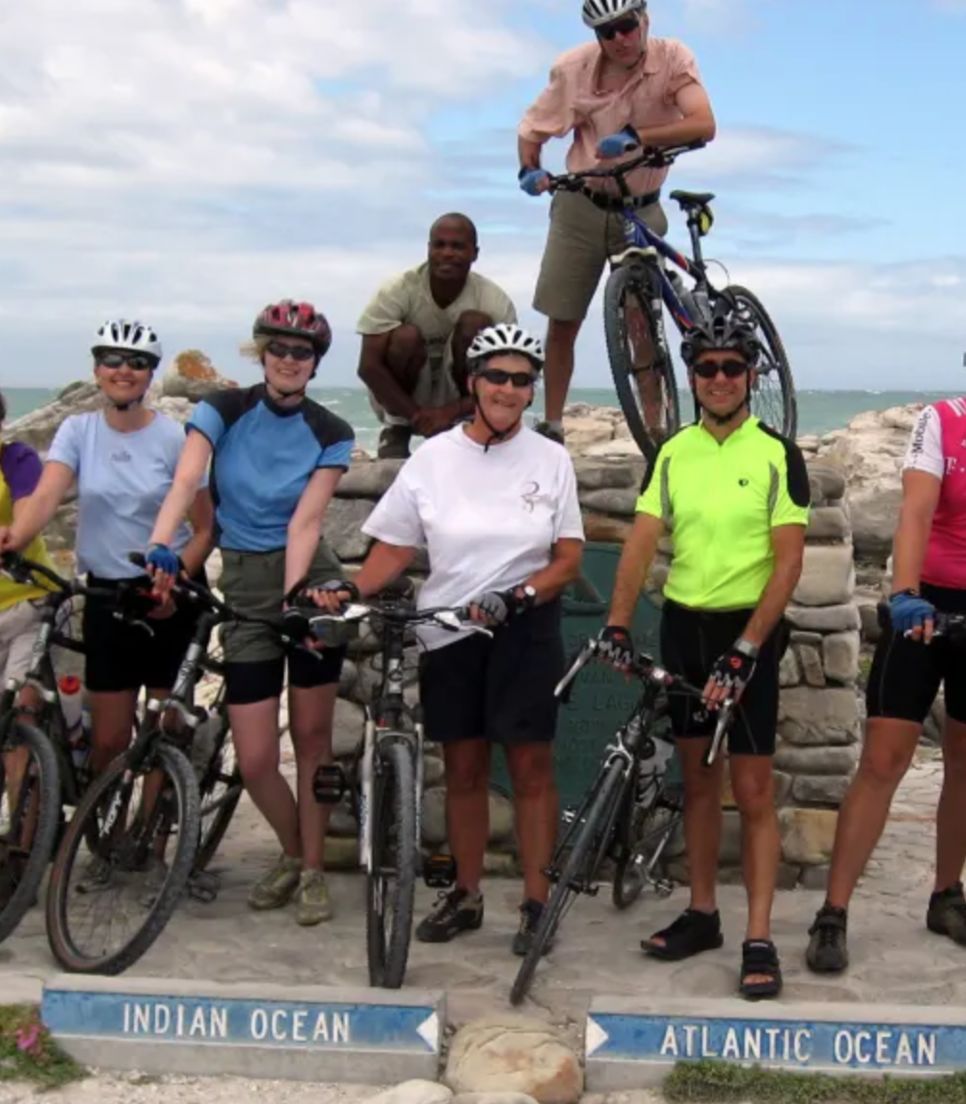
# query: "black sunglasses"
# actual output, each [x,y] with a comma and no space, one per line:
[731,368]
[300,353]
[498,376]
[619,27]
[140,362]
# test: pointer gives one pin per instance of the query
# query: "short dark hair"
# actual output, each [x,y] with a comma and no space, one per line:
[456,216]
[3,408]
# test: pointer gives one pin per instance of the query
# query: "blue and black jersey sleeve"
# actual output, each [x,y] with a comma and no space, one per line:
[334,436]
[217,413]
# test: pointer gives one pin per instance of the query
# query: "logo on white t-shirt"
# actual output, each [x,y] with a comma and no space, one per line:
[122,457]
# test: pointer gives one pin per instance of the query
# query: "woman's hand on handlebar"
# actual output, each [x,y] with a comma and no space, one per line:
[164,566]
[333,596]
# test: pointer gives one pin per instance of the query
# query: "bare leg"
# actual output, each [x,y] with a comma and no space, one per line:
[468,808]
[468,325]
[310,713]
[561,337]
[950,822]
[535,805]
[112,717]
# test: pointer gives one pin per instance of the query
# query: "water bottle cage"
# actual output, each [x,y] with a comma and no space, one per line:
[329,784]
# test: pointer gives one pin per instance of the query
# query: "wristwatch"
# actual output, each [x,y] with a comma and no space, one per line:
[527,596]
[746,648]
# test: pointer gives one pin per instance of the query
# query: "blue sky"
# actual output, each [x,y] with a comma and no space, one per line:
[187,160]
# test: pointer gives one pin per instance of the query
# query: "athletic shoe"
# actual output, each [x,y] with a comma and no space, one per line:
[275,889]
[96,875]
[456,911]
[394,442]
[947,913]
[312,899]
[828,952]
[530,913]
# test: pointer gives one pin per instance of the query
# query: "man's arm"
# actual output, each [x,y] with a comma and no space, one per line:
[380,381]
[639,550]
[788,542]
[920,496]
[696,124]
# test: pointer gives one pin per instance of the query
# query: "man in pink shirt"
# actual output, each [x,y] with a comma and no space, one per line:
[624,79]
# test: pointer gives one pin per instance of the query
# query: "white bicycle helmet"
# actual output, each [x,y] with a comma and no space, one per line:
[598,12]
[505,337]
[132,337]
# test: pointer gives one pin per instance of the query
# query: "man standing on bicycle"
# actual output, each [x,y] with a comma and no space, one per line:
[622,91]
[415,334]
[929,577]
[733,496]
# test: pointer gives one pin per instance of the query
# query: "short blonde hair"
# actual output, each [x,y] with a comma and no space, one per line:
[255,348]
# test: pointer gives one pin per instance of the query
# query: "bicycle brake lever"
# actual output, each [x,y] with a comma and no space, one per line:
[724,719]
[562,690]
[138,624]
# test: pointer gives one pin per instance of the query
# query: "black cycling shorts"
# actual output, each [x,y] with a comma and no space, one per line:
[498,689]
[691,641]
[122,656]
[906,674]
[260,679]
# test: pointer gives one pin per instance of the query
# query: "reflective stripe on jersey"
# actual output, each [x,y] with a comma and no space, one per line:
[719,503]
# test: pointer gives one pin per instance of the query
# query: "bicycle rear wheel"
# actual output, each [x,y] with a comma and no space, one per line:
[648,398]
[391,882]
[29,814]
[102,918]
[587,844]
[773,396]
[220,789]
[652,827]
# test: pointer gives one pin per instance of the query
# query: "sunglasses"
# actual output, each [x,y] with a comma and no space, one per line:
[299,353]
[138,361]
[498,376]
[731,368]
[619,27]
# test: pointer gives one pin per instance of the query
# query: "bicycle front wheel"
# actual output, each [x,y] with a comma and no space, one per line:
[123,863]
[220,788]
[651,828]
[391,881]
[587,844]
[648,396]
[29,813]
[773,395]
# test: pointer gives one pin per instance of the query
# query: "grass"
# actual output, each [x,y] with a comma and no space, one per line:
[720,1082]
[27,1052]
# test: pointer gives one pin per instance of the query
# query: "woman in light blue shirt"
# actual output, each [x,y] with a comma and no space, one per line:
[122,458]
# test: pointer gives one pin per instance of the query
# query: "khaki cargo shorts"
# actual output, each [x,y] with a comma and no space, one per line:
[254,583]
[580,239]
[18,630]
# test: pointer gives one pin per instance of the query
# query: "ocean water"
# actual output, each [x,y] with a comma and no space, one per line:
[818,411]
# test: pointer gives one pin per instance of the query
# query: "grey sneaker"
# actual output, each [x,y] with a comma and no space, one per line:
[947,913]
[312,899]
[456,911]
[530,913]
[828,951]
[394,442]
[275,889]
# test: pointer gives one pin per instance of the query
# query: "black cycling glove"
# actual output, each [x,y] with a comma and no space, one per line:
[616,646]
[733,670]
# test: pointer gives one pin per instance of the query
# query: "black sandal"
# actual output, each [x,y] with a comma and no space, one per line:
[758,956]
[692,933]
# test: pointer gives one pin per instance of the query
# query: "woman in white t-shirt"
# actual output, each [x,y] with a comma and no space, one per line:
[495,506]
[122,458]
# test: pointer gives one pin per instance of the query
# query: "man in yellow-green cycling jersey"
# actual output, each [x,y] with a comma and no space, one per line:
[733,497]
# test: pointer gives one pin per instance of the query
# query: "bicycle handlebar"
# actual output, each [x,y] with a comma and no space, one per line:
[650,157]
[451,618]
[648,671]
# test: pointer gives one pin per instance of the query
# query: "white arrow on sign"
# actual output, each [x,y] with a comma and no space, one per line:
[594,1037]
[429,1032]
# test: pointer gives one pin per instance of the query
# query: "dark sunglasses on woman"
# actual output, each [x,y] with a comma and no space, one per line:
[498,376]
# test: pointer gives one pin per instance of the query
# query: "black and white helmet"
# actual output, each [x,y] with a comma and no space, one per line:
[133,337]
[598,12]
[505,337]
[725,330]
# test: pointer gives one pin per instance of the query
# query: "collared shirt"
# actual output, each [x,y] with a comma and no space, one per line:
[719,502]
[572,101]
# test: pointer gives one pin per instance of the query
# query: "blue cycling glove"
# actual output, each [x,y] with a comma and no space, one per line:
[531,179]
[910,611]
[161,558]
[616,145]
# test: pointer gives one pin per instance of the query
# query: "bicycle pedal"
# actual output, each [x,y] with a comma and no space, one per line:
[329,784]
[439,871]
[203,886]
[663,887]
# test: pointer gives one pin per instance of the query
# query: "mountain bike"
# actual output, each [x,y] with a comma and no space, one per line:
[40,772]
[140,823]
[629,814]
[389,785]
[639,287]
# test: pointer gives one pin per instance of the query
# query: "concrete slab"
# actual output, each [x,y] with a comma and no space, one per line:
[631,1043]
[257,1030]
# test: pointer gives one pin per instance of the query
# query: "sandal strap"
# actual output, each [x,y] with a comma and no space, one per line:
[759,956]
[691,920]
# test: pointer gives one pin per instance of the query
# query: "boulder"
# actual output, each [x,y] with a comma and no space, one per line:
[601,474]
[815,760]
[613,500]
[516,1054]
[344,518]
[840,618]
[828,575]
[609,530]
[347,728]
[827,482]
[191,375]
[368,478]
[824,789]
[809,717]
[414,1092]
[811,663]
[828,523]
[493,1098]
[789,673]
[840,655]
[37,428]
[807,835]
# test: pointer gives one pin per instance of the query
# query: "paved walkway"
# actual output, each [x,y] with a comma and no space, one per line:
[894,958]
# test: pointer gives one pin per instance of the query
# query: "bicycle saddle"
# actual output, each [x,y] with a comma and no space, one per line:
[692,199]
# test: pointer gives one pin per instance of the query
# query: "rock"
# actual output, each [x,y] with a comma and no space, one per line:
[807,835]
[414,1092]
[809,639]
[828,575]
[869,616]
[368,478]
[809,442]
[783,787]
[501,817]
[600,474]
[730,851]
[815,877]
[824,789]
[493,1098]
[827,482]
[809,717]
[620,448]
[347,678]
[191,375]
[828,523]
[434,771]
[811,663]
[512,1053]
[344,518]
[600,527]
[612,500]
[37,428]
[581,432]
[874,518]
[433,817]
[788,670]
[501,864]
[840,654]
[341,853]
[815,760]
[347,728]
[342,823]
[839,618]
